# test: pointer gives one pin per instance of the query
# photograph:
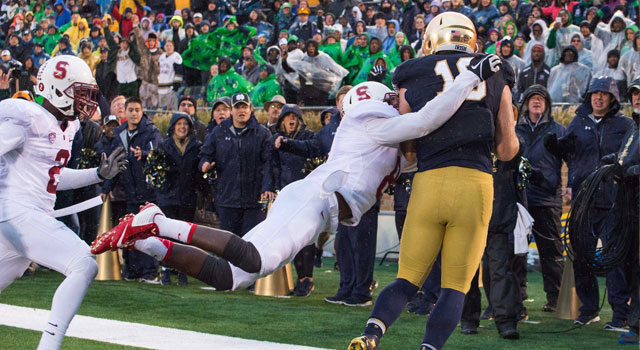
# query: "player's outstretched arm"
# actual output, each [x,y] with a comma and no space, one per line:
[11,137]
[437,111]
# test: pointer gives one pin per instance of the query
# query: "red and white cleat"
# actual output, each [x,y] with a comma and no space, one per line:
[130,229]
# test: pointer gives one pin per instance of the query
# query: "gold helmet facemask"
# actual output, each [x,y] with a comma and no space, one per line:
[450,31]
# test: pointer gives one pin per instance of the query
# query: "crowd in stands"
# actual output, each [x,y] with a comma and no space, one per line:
[306,49]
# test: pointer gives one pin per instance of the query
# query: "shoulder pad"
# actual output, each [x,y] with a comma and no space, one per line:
[410,69]
[18,111]
[375,109]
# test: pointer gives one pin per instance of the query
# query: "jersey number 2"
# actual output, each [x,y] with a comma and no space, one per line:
[54,172]
[442,69]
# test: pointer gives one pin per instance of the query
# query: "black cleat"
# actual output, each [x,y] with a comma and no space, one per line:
[304,287]
[364,342]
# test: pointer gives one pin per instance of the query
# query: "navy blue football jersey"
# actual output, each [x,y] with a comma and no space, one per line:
[465,140]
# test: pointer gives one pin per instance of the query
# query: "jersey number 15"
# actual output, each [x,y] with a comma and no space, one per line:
[442,69]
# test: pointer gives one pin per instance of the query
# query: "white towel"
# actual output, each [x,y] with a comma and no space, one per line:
[522,231]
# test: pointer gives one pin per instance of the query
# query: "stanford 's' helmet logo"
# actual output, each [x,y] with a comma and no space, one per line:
[61,70]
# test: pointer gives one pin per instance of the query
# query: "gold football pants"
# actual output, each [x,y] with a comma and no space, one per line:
[449,212]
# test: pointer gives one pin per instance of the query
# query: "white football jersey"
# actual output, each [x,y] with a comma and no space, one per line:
[29,174]
[361,166]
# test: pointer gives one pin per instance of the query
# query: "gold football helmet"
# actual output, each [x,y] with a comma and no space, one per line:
[23,94]
[450,31]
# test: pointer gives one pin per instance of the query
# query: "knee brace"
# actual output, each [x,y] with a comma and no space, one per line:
[216,273]
[242,254]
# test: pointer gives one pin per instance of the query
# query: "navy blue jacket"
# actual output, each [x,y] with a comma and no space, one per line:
[183,177]
[104,145]
[147,136]
[241,162]
[593,141]
[287,167]
[319,145]
[546,193]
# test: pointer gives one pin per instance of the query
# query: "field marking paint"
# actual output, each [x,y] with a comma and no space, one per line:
[135,334]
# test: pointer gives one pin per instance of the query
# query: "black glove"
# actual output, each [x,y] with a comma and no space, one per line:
[377,73]
[551,144]
[485,66]
[567,145]
[115,163]
[609,159]
[536,177]
[175,87]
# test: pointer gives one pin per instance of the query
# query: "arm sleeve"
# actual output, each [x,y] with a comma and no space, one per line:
[305,148]
[428,119]
[115,12]
[569,159]
[208,151]
[77,178]
[275,168]
[551,39]
[134,53]
[11,136]
[287,68]
[267,176]
[142,47]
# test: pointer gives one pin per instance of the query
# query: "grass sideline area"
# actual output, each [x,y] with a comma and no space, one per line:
[305,321]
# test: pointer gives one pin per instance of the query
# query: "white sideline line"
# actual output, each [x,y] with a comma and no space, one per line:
[135,334]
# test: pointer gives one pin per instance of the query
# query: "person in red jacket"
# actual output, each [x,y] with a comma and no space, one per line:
[126,19]
[557,5]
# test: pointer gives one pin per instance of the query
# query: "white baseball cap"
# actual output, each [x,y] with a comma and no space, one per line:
[5,53]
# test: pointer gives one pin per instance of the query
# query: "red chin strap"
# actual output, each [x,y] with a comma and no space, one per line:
[85,99]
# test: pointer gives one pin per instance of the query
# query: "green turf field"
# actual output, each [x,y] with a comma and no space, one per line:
[306,321]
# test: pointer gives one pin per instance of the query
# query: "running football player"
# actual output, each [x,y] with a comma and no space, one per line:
[364,159]
[35,145]
[452,193]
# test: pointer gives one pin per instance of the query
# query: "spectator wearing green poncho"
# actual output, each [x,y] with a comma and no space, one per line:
[509,29]
[38,35]
[394,53]
[267,87]
[331,46]
[630,33]
[50,40]
[228,41]
[355,56]
[375,52]
[227,81]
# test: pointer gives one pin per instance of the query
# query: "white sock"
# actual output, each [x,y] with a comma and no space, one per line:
[177,230]
[53,334]
[66,301]
[157,248]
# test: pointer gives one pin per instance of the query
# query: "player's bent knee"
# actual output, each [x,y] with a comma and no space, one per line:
[216,273]
[242,254]
[85,266]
